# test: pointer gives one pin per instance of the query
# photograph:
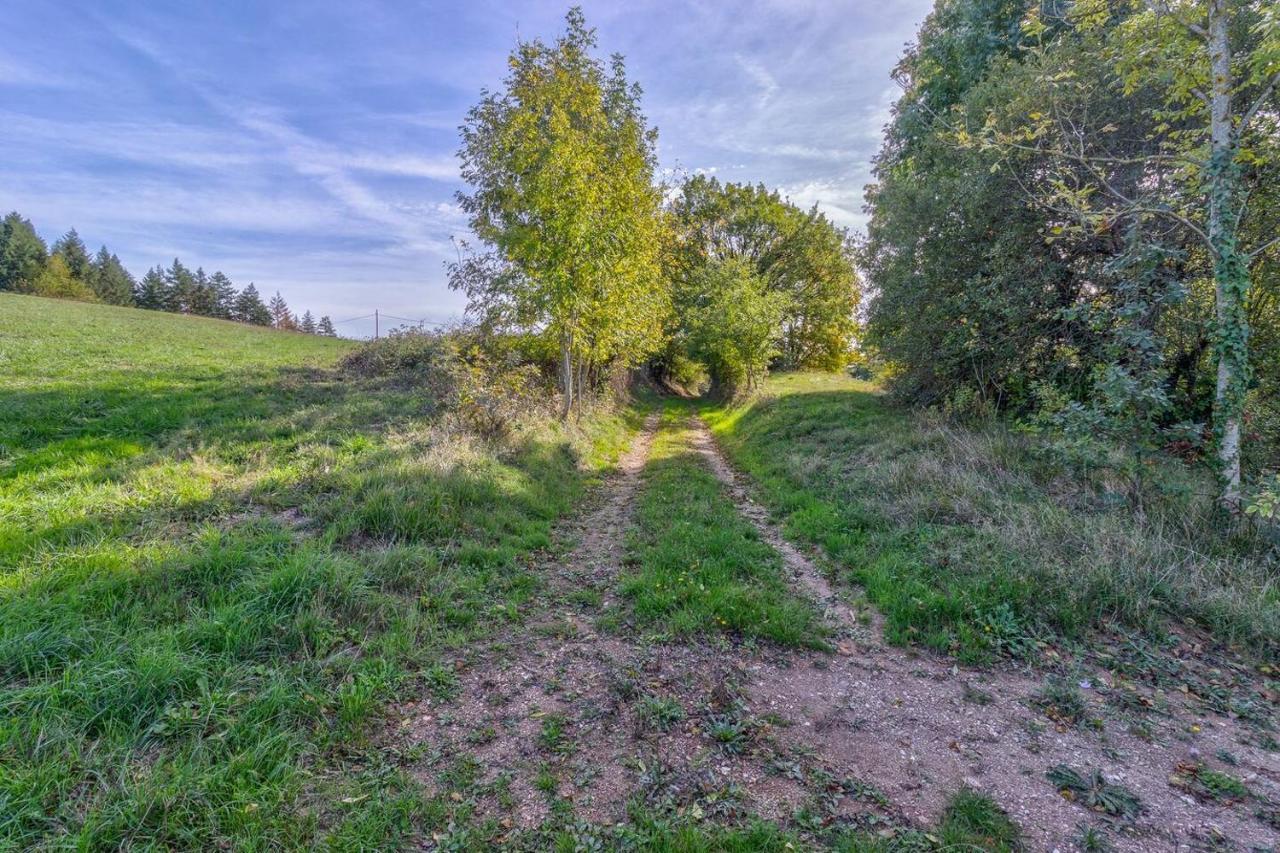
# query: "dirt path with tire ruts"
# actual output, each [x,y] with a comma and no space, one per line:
[569,710]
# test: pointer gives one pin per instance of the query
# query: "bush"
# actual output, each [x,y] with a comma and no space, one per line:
[412,354]
[487,387]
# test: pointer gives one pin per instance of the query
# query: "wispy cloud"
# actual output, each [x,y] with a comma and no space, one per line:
[309,146]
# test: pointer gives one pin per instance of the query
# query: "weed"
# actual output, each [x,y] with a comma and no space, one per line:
[1093,791]
[660,713]
[1209,784]
[975,695]
[554,734]
[1061,701]
[728,731]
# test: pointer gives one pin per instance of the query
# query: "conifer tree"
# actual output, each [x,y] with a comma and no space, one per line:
[76,256]
[110,281]
[326,327]
[281,316]
[249,308]
[152,292]
[224,295]
[203,298]
[179,288]
[22,254]
[308,323]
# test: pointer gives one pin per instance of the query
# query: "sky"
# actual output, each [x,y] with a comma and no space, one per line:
[310,146]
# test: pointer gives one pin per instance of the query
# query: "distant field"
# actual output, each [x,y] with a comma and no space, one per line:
[218,558]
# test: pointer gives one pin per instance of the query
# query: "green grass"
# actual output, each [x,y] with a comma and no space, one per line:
[695,566]
[973,543]
[219,559]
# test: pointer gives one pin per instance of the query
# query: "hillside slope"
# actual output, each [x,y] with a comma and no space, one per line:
[219,557]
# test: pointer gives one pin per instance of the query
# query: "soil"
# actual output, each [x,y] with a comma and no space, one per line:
[870,735]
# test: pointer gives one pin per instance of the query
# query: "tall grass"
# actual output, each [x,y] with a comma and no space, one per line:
[971,539]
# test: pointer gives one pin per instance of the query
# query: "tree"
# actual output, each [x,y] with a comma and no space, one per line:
[308,323]
[799,254]
[1214,68]
[249,308]
[224,295]
[22,254]
[733,322]
[281,316]
[57,281]
[110,281]
[75,255]
[326,327]
[180,289]
[561,167]
[151,292]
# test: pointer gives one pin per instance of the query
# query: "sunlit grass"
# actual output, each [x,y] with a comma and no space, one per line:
[695,566]
[972,542]
[219,559]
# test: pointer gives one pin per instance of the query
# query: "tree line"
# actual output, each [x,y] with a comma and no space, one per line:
[599,266]
[1074,222]
[67,270]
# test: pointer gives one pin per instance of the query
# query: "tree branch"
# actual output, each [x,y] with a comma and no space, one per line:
[1258,103]
[1274,241]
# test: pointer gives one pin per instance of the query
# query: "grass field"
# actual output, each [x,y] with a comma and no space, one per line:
[972,542]
[218,558]
[224,563]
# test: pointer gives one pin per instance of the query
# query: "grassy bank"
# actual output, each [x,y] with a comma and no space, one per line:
[972,543]
[219,558]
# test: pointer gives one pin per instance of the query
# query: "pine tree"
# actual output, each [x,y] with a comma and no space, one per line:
[22,254]
[180,287]
[152,292]
[326,327]
[281,316]
[224,295]
[203,299]
[250,309]
[75,255]
[110,281]
[308,323]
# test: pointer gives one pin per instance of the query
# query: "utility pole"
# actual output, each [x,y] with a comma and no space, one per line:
[375,324]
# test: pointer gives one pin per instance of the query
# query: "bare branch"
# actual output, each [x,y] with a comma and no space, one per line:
[1259,102]
[1274,241]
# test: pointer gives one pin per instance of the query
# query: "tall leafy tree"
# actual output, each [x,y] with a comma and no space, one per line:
[561,165]
[1207,73]
[22,254]
[325,327]
[110,281]
[56,280]
[307,323]
[799,254]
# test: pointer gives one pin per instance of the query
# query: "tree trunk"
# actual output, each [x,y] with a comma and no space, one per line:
[1230,272]
[566,375]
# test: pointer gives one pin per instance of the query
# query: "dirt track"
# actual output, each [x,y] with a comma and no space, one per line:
[825,731]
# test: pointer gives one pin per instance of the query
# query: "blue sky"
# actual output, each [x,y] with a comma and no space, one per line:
[309,146]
